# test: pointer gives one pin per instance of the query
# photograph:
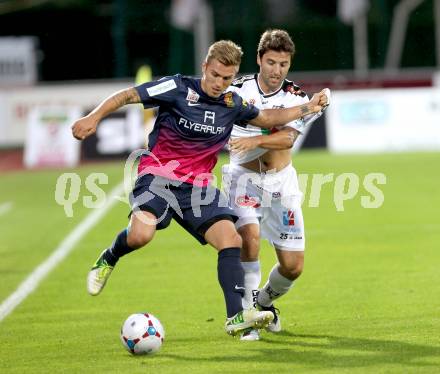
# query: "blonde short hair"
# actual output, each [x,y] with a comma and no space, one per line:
[226,52]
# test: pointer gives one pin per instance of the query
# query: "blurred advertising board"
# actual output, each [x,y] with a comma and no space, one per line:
[384,120]
[18,63]
[116,136]
[49,141]
[17,103]
[436,79]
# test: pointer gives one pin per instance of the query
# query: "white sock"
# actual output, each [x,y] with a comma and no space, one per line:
[252,279]
[276,286]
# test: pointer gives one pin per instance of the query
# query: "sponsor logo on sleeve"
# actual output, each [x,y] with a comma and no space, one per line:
[161,88]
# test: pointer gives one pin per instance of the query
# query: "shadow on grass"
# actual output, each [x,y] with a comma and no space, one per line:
[323,351]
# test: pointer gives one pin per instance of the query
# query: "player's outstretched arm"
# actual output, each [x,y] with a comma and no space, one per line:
[282,139]
[268,118]
[86,126]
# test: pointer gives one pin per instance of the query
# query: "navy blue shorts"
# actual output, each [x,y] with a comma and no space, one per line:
[195,208]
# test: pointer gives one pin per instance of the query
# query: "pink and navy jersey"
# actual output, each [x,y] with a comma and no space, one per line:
[191,127]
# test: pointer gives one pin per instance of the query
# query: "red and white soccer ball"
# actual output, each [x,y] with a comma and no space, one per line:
[142,333]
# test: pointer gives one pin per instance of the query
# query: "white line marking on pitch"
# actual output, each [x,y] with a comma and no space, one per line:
[35,278]
[6,207]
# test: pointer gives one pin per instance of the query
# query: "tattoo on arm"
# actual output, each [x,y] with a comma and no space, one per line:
[127,96]
[305,109]
[133,96]
[293,134]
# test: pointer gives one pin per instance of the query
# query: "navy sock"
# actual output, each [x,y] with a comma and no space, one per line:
[231,279]
[118,249]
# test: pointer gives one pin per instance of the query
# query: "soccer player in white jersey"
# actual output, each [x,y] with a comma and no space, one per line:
[262,183]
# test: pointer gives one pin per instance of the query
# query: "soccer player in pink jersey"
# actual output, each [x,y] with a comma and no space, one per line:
[194,123]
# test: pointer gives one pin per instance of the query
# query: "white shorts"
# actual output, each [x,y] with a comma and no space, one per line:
[272,200]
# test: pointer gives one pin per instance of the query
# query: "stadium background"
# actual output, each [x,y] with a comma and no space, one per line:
[111,39]
[368,300]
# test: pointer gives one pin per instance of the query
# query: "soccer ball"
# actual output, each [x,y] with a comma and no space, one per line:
[142,333]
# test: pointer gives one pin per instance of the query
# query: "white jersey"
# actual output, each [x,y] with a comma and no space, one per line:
[288,95]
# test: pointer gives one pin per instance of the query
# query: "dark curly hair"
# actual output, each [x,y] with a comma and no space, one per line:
[275,40]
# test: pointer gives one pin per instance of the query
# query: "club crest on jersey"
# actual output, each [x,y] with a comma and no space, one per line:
[294,90]
[290,88]
[192,96]
[288,218]
[228,99]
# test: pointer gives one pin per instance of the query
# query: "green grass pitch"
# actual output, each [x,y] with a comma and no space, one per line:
[368,301]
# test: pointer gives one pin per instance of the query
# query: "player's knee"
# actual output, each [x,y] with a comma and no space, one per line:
[236,240]
[250,248]
[251,242]
[223,235]
[232,240]
[138,239]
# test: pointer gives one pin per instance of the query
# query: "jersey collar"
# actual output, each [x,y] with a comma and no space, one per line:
[198,84]
[265,95]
